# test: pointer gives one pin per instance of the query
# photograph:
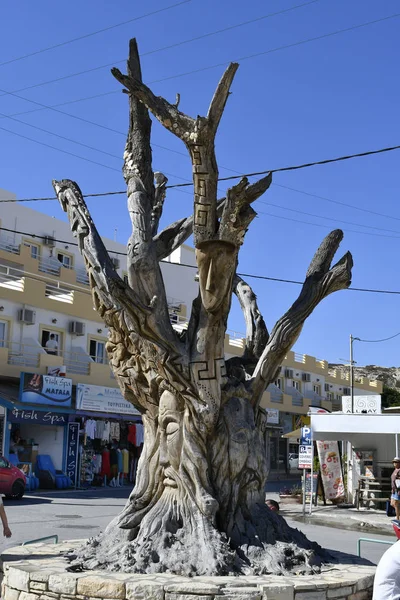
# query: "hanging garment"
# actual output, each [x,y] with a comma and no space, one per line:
[90,428]
[105,463]
[97,464]
[125,459]
[139,434]
[120,462]
[106,433]
[132,434]
[113,457]
[114,431]
[99,429]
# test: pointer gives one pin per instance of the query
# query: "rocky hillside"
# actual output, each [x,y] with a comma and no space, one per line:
[389,375]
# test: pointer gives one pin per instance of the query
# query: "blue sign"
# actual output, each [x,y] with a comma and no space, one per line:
[45,389]
[20,415]
[72,451]
[305,439]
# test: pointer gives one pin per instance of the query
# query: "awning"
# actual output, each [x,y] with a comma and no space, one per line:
[339,426]
[296,434]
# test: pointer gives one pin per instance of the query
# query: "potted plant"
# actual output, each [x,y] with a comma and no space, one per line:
[293,495]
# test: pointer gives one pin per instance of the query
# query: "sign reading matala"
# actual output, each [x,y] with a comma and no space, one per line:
[97,398]
[45,389]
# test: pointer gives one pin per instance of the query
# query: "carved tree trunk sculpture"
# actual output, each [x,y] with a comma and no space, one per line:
[198,503]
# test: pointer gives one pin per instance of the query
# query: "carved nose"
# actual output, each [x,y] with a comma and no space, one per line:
[163,452]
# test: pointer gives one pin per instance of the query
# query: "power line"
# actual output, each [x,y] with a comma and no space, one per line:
[87,35]
[376,341]
[246,275]
[301,212]
[394,237]
[170,46]
[248,57]
[346,204]
[179,185]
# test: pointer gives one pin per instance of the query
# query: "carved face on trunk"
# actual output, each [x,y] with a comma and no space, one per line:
[171,436]
[216,264]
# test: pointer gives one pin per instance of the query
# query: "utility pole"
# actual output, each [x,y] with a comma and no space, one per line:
[352,339]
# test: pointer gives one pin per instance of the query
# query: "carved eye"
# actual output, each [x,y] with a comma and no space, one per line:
[171,428]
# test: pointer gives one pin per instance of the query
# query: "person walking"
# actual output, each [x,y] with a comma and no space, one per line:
[387,575]
[395,479]
[3,517]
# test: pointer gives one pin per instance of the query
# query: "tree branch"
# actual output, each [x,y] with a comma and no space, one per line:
[220,98]
[321,280]
[160,193]
[256,330]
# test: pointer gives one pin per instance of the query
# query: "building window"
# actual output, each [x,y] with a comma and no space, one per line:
[317,389]
[35,249]
[296,384]
[65,260]
[330,396]
[97,351]
[279,383]
[3,333]
[51,341]
[339,397]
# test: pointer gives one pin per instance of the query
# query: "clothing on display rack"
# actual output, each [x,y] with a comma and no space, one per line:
[125,460]
[132,434]
[115,431]
[105,463]
[90,428]
[139,434]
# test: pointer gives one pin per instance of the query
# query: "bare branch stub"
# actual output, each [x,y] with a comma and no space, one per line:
[321,280]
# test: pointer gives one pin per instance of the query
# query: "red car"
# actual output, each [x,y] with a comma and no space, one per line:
[12,480]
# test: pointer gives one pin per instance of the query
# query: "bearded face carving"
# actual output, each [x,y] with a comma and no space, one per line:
[171,437]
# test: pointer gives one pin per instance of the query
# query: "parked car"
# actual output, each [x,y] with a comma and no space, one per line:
[293,461]
[12,480]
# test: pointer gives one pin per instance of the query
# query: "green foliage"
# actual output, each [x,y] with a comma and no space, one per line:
[390,397]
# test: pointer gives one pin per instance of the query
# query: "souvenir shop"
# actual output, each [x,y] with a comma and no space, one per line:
[110,437]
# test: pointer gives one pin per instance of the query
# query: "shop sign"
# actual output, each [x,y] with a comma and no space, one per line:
[362,404]
[98,398]
[45,389]
[305,457]
[272,416]
[18,415]
[72,451]
[331,469]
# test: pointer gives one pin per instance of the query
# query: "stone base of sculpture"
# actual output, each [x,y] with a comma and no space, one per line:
[39,572]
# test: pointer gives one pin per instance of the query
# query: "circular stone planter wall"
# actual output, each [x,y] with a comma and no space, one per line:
[38,572]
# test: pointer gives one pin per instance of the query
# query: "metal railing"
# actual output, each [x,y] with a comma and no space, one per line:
[8,244]
[371,541]
[11,278]
[275,393]
[82,276]
[49,265]
[297,397]
[55,291]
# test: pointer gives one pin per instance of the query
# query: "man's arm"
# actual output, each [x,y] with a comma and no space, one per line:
[3,517]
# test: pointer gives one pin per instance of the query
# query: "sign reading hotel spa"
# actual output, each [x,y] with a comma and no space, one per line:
[97,398]
[45,389]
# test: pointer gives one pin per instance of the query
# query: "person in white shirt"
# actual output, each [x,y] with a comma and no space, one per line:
[52,345]
[387,576]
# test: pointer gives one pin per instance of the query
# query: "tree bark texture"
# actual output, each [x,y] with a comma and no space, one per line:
[198,503]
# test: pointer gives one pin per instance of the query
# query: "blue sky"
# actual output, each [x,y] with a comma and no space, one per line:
[329,97]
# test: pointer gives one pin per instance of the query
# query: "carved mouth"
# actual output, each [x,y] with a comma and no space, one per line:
[169,478]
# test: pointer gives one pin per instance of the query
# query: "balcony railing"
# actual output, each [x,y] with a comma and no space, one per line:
[55,291]
[8,244]
[297,397]
[11,278]
[50,265]
[275,393]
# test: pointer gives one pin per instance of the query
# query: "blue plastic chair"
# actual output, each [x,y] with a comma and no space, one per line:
[32,482]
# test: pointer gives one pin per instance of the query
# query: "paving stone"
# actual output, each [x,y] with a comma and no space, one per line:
[28,596]
[42,576]
[174,596]
[365,583]
[10,593]
[17,579]
[142,590]
[277,592]
[343,591]
[101,587]
[192,587]
[63,584]
[310,596]
[37,586]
